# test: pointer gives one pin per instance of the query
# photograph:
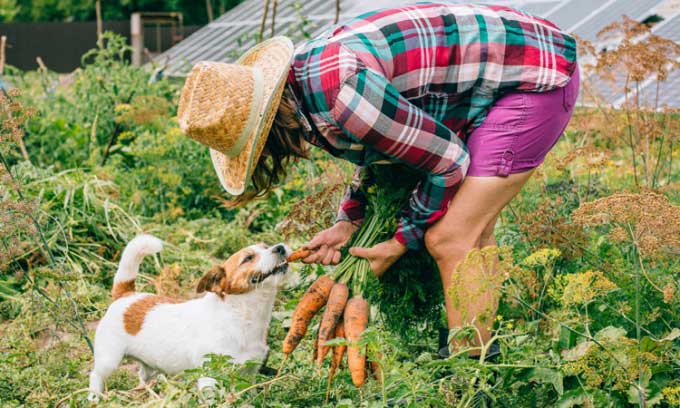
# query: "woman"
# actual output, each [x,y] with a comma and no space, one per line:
[473,97]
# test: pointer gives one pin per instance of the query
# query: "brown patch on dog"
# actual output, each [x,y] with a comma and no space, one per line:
[215,280]
[121,289]
[232,277]
[134,316]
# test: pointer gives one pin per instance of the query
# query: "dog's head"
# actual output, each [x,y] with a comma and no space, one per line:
[257,266]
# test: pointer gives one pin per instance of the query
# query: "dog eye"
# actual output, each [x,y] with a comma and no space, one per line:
[248,259]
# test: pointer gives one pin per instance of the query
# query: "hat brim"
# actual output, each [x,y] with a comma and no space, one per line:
[273,58]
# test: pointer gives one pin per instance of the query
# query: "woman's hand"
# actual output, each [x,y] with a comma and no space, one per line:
[327,243]
[381,256]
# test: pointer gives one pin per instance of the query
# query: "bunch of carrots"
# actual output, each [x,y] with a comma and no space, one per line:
[342,292]
[343,317]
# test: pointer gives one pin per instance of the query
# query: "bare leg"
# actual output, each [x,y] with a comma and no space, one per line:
[468,224]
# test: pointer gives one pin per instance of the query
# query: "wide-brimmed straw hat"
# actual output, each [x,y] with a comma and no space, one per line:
[231,107]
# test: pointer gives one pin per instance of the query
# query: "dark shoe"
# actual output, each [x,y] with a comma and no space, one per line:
[268,371]
[443,353]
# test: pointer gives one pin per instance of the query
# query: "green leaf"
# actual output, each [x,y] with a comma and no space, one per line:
[345,403]
[610,333]
[577,352]
[567,338]
[572,398]
[548,376]
[647,344]
[674,334]
[336,342]
[651,394]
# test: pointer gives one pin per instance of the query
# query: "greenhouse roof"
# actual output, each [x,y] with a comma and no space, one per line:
[237,30]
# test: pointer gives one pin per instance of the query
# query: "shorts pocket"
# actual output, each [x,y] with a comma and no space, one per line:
[509,112]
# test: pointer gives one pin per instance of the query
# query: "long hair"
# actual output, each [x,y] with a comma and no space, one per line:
[284,146]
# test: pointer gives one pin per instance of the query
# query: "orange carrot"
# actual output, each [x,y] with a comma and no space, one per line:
[301,253]
[313,300]
[334,308]
[356,320]
[338,353]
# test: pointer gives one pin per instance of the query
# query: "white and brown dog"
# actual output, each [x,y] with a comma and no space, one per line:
[169,335]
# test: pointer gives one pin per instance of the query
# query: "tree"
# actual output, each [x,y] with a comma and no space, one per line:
[8,10]
[83,10]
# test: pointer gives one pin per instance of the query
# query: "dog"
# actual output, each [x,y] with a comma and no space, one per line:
[170,335]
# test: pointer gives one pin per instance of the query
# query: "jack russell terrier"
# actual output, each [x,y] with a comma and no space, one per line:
[171,335]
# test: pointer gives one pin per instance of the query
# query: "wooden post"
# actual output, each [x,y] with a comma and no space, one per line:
[273,17]
[337,11]
[3,43]
[208,7]
[264,19]
[98,12]
[136,38]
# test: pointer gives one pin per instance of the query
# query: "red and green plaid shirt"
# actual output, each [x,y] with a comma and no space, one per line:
[407,85]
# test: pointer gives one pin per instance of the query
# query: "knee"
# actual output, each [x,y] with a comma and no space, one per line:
[442,245]
[487,239]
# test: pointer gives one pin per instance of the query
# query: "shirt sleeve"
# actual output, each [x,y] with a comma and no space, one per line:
[353,202]
[373,112]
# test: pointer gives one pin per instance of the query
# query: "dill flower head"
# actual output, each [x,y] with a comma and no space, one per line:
[542,257]
[671,395]
[668,292]
[495,264]
[649,220]
[587,158]
[582,288]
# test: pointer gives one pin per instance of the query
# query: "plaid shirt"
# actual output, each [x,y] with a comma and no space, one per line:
[409,84]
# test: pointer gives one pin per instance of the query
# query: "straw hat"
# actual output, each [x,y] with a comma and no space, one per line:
[231,107]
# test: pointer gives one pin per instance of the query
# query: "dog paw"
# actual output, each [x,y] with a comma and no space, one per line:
[93,397]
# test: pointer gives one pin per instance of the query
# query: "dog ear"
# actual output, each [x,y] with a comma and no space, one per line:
[213,281]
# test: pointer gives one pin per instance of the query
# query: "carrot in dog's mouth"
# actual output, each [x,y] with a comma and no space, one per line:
[278,269]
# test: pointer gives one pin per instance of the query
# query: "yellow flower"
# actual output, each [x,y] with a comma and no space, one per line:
[122,107]
[542,257]
[672,395]
[582,288]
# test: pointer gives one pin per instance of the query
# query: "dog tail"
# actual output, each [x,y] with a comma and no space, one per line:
[134,252]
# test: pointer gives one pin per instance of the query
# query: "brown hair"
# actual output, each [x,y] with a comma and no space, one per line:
[284,146]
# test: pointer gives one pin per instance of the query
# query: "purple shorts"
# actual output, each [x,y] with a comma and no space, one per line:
[520,129]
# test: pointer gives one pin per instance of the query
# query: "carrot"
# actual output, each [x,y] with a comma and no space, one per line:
[356,320]
[301,253]
[334,308]
[313,300]
[338,353]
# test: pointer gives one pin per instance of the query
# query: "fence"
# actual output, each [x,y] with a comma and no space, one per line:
[60,45]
